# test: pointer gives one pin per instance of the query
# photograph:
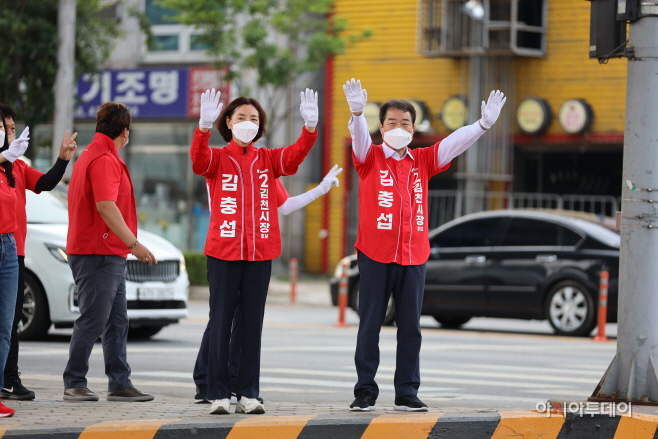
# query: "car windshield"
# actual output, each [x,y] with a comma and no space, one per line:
[47,207]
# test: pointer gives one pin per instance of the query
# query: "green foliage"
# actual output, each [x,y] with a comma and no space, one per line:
[197,270]
[28,64]
[246,34]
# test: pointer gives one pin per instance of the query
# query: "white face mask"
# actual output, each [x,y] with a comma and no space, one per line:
[245,131]
[397,138]
[2,138]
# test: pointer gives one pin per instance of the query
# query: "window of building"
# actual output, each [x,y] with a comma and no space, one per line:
[509,27]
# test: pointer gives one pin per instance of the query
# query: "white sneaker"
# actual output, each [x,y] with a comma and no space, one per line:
[250,406]
[234,399]
[220,407]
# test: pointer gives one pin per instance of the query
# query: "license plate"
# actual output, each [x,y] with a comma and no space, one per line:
[155,293]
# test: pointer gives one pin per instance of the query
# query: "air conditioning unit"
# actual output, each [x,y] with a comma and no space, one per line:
[456,28]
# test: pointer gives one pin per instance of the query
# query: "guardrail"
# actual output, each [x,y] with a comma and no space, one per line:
[446,205]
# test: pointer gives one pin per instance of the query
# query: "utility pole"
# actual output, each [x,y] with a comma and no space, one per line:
[64,82]
[632,376]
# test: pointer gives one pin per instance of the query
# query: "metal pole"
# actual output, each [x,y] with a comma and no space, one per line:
[472,184]
[632,376]
[64,82]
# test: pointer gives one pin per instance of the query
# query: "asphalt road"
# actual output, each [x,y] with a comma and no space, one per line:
[490,364]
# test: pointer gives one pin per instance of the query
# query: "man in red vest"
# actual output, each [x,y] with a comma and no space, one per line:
[392,242]
[102,233]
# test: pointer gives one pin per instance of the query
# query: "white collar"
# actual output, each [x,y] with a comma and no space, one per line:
[390,152]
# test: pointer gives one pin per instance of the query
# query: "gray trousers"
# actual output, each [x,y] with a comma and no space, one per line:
[101,282]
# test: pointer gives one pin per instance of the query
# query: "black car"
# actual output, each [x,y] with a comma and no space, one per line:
[519,264]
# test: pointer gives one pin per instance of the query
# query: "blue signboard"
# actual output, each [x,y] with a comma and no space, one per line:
[149,93]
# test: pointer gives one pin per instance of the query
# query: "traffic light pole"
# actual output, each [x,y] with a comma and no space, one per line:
[633,374]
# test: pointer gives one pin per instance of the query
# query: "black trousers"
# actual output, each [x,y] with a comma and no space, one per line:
[101,282]
[234,349]
[236,284]
[378,281]
[11,367]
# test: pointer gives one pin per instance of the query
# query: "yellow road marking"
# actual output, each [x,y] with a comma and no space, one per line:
[142,429]
[640,426]
[403,426]
[527,425]
[270,427]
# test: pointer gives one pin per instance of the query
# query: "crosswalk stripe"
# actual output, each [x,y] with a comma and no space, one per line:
[559,378]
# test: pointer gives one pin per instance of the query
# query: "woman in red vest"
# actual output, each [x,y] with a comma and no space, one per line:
[8,255]
[243,236]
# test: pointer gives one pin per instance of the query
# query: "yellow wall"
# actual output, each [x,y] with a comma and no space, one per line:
[567,72]
[389,67]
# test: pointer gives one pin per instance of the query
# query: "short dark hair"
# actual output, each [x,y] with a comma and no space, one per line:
[399,104]
[8,112]
[228,111]
[112,118]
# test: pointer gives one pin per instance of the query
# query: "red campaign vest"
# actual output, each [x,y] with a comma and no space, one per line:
[26,178]
[393,205]
[244,221]
[88,234]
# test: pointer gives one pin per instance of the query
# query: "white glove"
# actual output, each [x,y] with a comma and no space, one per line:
[18,146]
[210,108]
[356,98]
[309,108]
[491,110]
[330,179]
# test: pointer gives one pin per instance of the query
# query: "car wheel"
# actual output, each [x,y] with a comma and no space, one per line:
[570,309]
[35,320]
[451,322]
[143,332]
[389,318]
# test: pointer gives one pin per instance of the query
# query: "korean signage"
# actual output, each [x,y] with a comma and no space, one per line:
[533,115]
[575,116]
[149,93]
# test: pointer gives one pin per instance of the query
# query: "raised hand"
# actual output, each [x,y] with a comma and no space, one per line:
[18,146]
[491,110]
[210,108]
[356,97]
[309,108]
[67,150]
[331,179]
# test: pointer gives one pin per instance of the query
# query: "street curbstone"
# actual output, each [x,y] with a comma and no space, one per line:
[388,425]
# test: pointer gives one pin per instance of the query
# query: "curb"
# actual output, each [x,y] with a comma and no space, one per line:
[488,425]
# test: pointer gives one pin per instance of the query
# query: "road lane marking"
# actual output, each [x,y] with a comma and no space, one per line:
[403,426]
[514,376]
[466,381]
[270,427]
[142,429]
[527,425]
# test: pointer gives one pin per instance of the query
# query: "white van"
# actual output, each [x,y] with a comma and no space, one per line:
[157,295]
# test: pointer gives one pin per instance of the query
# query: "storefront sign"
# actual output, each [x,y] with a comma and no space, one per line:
[149,93]
[454,113]
[533,115]
[575,116]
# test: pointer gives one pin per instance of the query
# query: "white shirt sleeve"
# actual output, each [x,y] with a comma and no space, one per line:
[361,140]
[296,203]
[457,142]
